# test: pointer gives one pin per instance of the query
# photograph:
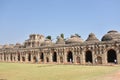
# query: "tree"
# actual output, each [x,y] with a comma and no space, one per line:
[48,37]
[62,35]
[77,35]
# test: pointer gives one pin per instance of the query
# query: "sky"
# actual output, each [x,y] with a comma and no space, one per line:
[20,18]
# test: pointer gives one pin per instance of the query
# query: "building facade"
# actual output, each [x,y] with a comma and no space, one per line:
[74,50]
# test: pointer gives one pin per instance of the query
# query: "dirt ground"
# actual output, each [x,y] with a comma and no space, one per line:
[113,76]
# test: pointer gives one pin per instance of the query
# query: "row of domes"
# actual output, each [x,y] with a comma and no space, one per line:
[110,36]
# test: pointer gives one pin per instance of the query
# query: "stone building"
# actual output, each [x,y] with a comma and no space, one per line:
[73,50]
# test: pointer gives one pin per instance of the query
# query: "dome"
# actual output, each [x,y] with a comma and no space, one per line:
[92,38]
[47,42]
[111,36]
[74,39]
[60,40]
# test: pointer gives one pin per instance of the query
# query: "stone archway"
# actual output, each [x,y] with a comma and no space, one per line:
[88,57]
[23,58]
[99,60]
[78,59]
[42,57]
[29,57]
[54,57]
[61,59]
[35,59]
[18,56]
[11,57]
[111,56]
[47,59]
[70,57]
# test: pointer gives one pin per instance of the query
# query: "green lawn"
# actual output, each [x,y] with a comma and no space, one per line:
[20,71]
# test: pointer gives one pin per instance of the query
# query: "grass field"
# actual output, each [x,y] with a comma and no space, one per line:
[18,71]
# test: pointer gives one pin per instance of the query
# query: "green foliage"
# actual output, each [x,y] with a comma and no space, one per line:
[48,37]
[62,35]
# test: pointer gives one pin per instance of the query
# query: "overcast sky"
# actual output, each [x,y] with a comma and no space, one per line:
[19,18]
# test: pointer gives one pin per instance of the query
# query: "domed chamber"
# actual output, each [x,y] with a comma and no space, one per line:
[111,36]
[92,38]
[60,40]
[74,39]
[47,42]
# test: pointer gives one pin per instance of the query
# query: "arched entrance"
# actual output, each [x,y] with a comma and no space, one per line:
[78,59]
[69,57]
[47,59]
[35,59]
[61,59]
[42,57]
[111,56]
[29,57]
[54,57]
[11,57]
[88,56]
[18,56]
[23,58]
[99,60]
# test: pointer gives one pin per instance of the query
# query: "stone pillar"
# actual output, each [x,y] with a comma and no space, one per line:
[93,57]
[2,56]
[50,57]
[65,56]
[31,57]
[26,57]
[74,57]
[83,58]
[104,57]
[118,57]
[38,56]
[21,56]
[58,58]
[45,58]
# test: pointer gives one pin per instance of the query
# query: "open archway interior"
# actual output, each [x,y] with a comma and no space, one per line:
[11,57]
[29,57]
[111,56]
[47,59]
[23,58]
[54,57]
[78,59]
[18,56]
[61,59]
[99,60]
[88,56]
[42,57]
[69,57]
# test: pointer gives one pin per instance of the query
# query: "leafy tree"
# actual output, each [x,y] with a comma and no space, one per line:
[62,35]
[48,37]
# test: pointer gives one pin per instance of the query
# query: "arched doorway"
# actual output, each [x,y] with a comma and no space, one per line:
[18,56]
[29,57]
[99,60]
[23,58]
[35,59]
[42,57]
[4,57]
[61,59]
[111,56]
[69,57]
[47,59]
[11,57]
[54,57]
[78,59]
[88,56]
